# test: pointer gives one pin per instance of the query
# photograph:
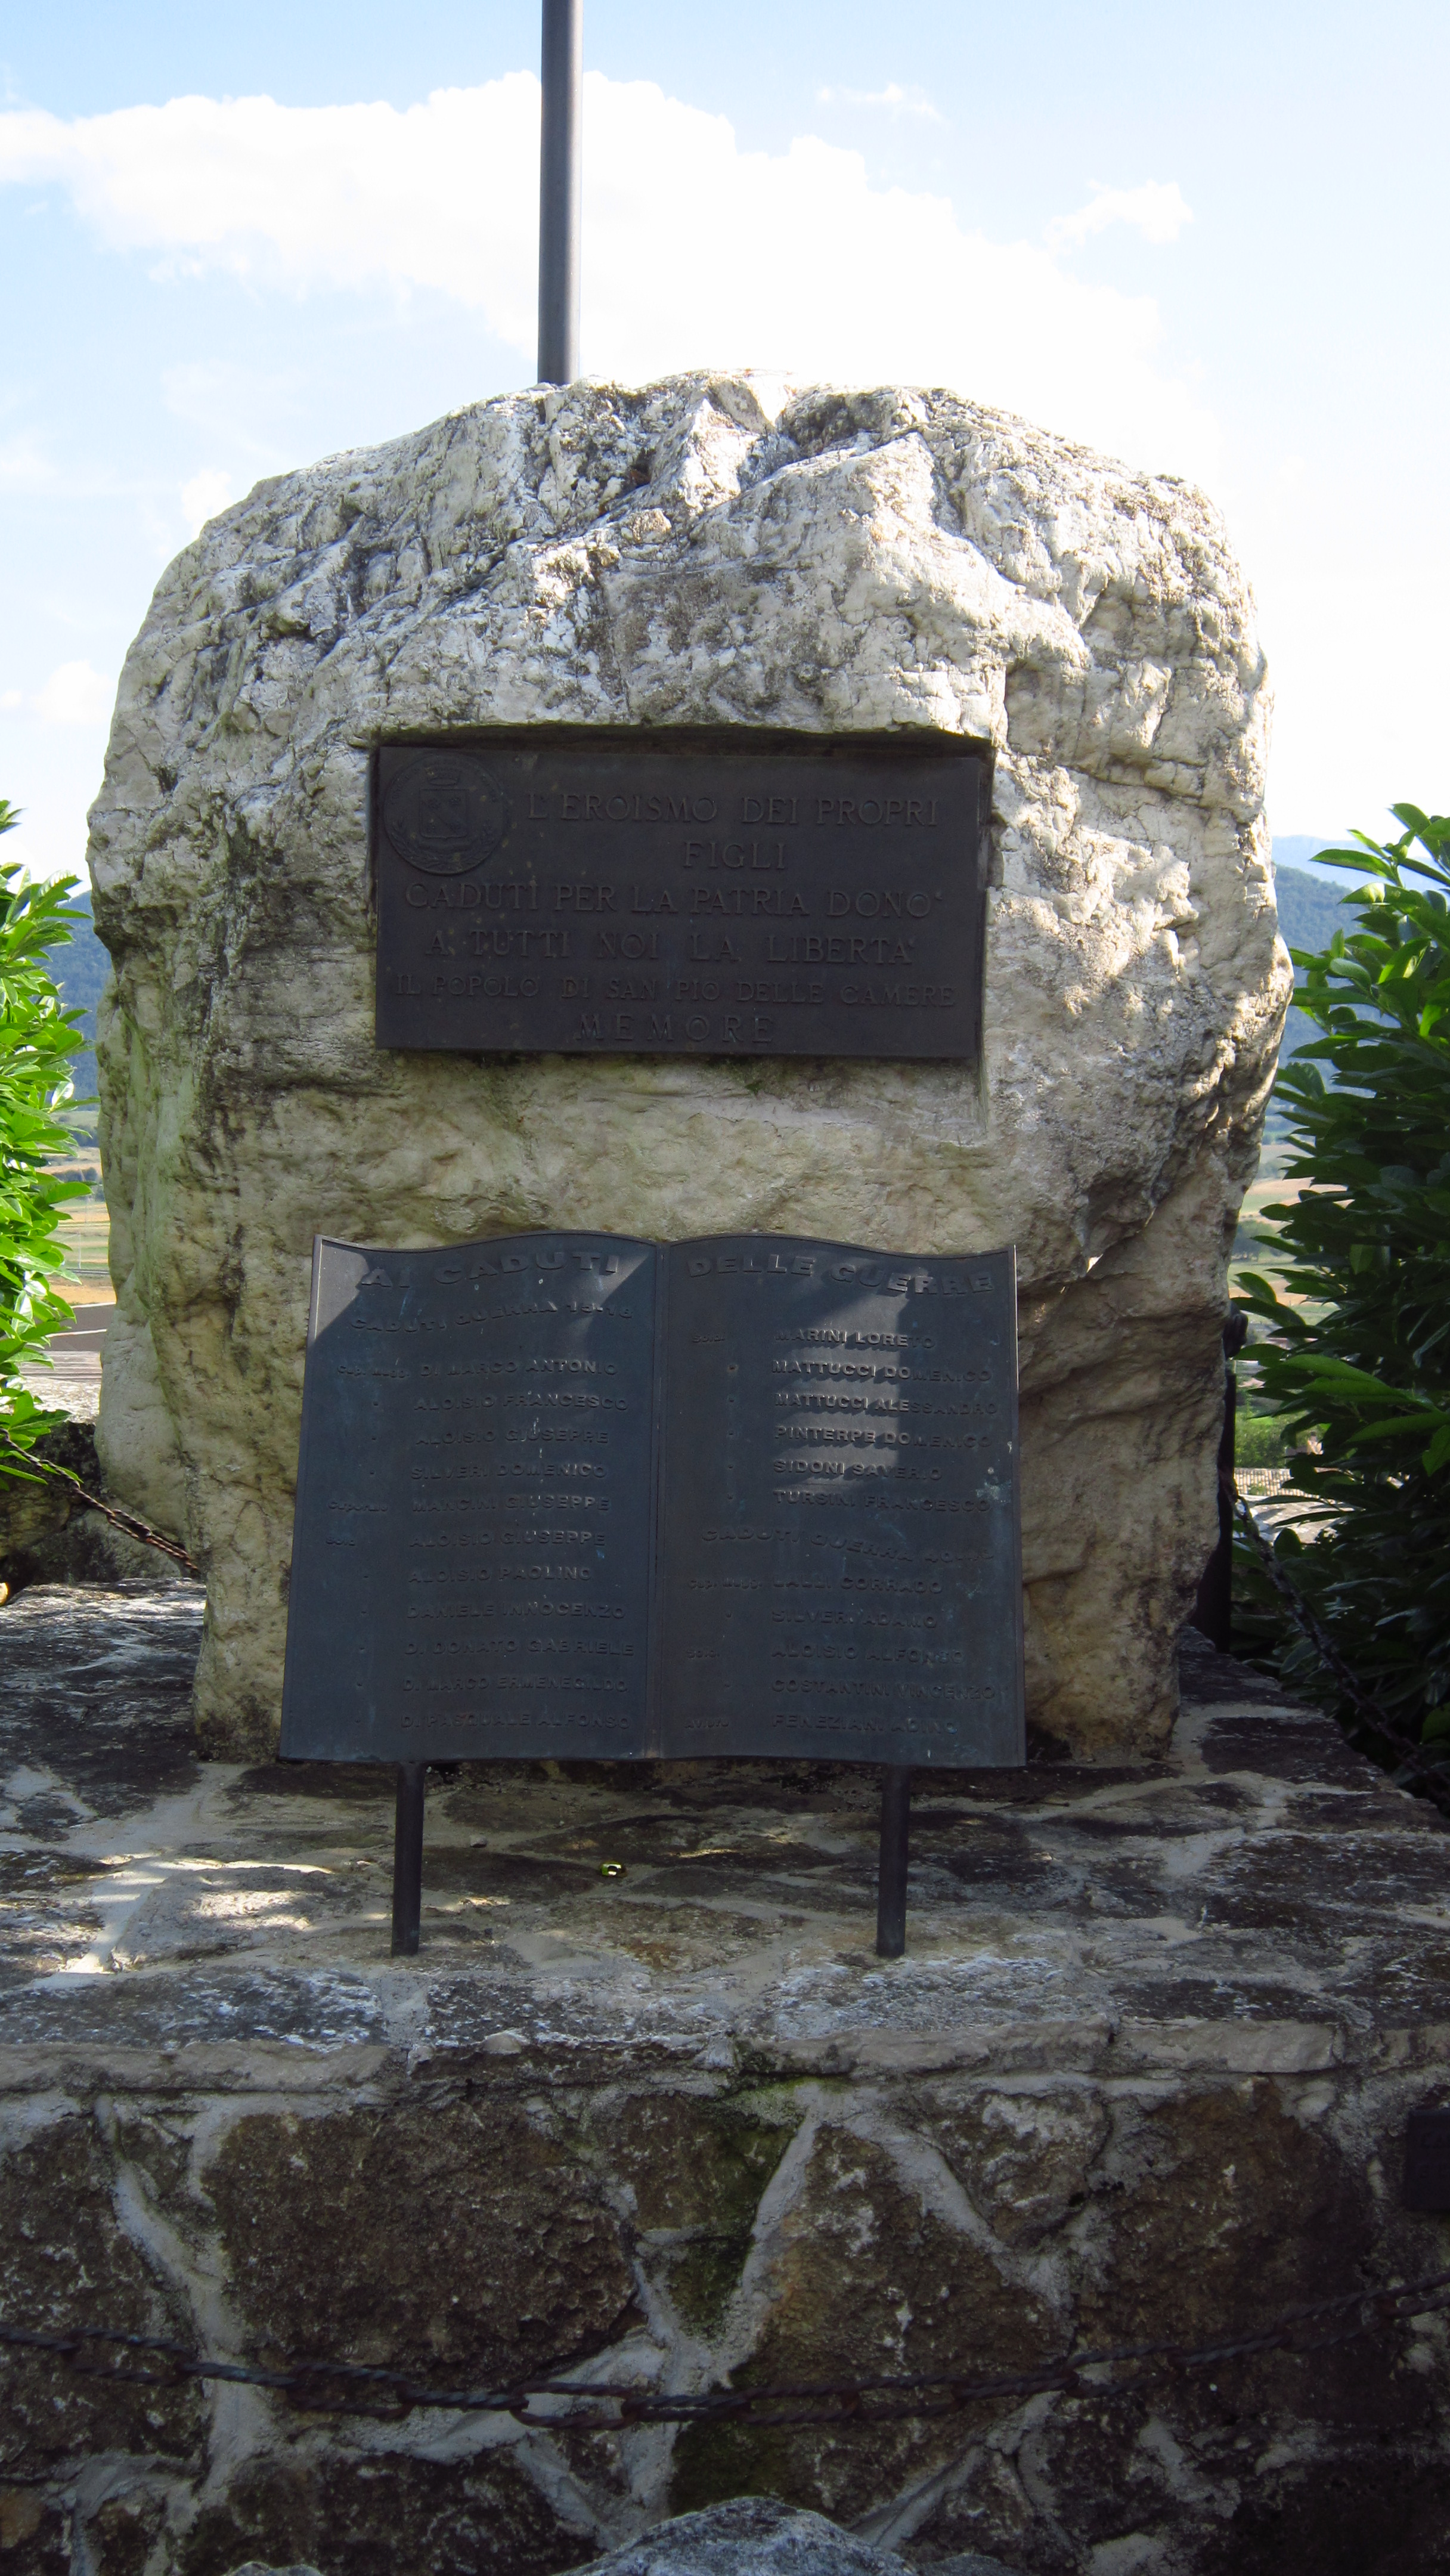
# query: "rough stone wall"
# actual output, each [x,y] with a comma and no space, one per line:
[699,552]
[47,1534]
[1144,2073]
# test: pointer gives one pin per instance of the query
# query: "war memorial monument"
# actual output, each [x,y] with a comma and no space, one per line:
[883,1023]
[700,959]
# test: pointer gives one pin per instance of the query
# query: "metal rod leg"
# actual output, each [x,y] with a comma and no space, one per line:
[408,1859]
[891,1871]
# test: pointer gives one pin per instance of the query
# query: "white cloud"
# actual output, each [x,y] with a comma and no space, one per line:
[700,252]
[52,796]
[900,102]
[53,738]
[1155,210]
[1356,724]
[219,396]
[24,466]
[73,695]
[201,498]
[312,197]
[817,273]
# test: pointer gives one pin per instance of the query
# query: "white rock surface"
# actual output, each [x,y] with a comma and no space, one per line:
[757,2536]
[750,2536]
[700,551]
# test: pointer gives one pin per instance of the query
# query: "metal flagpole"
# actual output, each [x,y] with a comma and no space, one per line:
[560,159]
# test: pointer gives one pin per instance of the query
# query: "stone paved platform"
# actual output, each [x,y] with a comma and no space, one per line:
[1144,2070]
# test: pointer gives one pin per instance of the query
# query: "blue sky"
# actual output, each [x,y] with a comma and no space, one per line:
[1210,241]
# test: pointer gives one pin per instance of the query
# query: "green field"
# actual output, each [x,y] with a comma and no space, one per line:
[85,1233]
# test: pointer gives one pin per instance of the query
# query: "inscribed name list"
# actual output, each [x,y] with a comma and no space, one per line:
[628,895]
[567,1495]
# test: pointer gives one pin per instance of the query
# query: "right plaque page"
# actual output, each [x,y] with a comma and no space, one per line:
[839,1531]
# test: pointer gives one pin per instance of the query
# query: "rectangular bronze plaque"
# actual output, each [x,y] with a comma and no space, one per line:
[658,895]
[573,1494]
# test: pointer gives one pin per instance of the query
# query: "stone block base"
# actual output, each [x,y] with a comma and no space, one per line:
[1143,2073]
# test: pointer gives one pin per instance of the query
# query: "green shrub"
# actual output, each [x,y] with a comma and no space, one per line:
[38,1038]
[1260,1439]
[1353,1334]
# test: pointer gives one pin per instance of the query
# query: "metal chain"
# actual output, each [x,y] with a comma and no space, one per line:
[129,1523]
[319,2384]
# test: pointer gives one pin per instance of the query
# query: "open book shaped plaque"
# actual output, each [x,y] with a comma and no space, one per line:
[578,1495]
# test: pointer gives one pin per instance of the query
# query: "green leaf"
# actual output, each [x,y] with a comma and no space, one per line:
[38,1039]
[1351,1297]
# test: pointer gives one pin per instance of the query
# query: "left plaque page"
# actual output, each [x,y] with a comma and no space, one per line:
[472,1543]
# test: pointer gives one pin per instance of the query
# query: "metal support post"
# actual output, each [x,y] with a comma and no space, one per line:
[891,1869]
[408,1859]
[560,166]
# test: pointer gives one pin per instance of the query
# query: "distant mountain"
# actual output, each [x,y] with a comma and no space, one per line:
[80,969]
[1310,912]
[1301,849]
[1309,907]
[1309,915]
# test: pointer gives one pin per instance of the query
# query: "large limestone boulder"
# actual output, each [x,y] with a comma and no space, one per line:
[705,550]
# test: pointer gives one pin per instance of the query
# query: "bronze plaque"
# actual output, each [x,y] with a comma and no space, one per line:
[633,894]
[575,1494]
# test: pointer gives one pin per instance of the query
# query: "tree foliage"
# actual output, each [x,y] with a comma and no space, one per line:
[1352,1335]
[38,1039]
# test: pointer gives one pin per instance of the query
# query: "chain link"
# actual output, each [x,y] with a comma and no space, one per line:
[321,2385]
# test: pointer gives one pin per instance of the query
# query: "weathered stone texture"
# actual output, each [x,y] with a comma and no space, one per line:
[85,2271]
[1143,2074]
[48,1534]
[383,2515]
[456,2237]
[865,2276]
[694,554]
